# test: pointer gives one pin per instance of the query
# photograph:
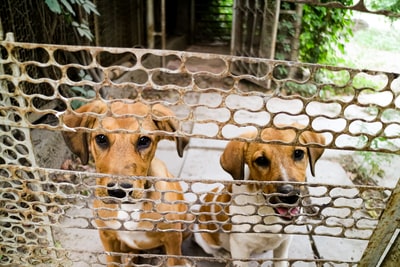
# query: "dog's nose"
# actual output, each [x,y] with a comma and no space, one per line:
[119,192]
[290,195]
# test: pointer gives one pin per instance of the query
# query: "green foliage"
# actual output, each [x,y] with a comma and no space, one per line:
[83,29]
[78,91]
[388,5]
[368,165]
[366,82]
[215,22]
[364,167]
[67,9]
[371,163]
[74,13]
[305,90]
[323,31]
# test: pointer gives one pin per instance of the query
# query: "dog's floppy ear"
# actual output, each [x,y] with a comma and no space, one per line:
[164,120]
[314,153]
[233,160]
[78,142]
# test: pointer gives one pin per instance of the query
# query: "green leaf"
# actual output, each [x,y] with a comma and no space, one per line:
[68,6]
[83,30]
[54,6]
[90,7]
[76,104]
[79,90]
[90,94]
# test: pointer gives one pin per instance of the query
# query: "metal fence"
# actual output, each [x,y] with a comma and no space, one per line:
[354,110]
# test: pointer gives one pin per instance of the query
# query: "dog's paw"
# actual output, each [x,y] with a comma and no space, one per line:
[222,253]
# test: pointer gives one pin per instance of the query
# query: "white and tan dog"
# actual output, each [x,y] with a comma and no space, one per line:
[130,155]
[257,207]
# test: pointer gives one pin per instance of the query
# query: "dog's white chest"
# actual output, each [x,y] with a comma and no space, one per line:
[129,217]
[249,210]
[255,224]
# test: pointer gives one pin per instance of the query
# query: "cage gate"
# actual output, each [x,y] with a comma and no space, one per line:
[213,104]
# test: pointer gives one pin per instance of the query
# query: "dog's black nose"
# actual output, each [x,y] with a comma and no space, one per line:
[119,192]
[290,195]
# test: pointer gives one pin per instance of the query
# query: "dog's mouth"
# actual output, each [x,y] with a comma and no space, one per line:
[287,205]
[287,213]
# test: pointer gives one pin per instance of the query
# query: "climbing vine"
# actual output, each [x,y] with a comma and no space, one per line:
[324,31]
[75,13]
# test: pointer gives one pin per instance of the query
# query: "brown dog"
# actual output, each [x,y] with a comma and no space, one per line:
[130,154]
[253,204]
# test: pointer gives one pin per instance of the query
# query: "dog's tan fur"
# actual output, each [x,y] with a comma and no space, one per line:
[282,166]
[124,155]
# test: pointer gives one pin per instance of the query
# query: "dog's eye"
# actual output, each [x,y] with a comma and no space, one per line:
[101,140]
[143,142]
[262,161]
[298,154]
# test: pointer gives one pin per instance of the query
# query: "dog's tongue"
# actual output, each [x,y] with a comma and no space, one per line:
[288,212]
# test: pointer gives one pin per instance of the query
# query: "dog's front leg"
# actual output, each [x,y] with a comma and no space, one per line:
[173,244]
[282,252]
[239,249]
[111,245]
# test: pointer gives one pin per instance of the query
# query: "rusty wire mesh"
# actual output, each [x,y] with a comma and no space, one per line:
[210,102]
[359,119]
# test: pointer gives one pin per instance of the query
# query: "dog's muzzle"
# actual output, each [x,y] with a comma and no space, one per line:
[122,191]
[289,197]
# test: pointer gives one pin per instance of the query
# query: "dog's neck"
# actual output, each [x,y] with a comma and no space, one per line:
[158,169]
